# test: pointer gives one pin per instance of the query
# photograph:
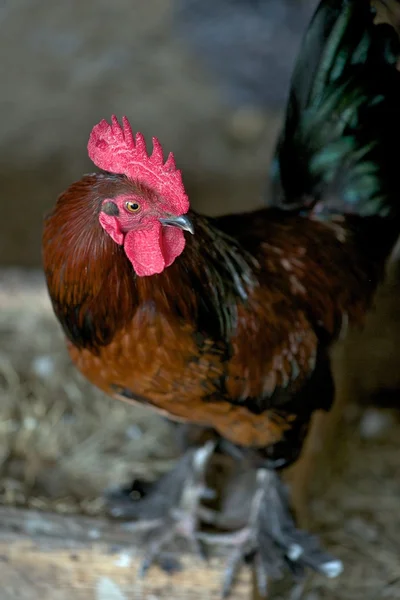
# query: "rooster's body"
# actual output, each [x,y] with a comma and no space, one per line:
[231,328]
[247,355]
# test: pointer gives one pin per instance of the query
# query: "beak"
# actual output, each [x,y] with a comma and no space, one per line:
[182,222]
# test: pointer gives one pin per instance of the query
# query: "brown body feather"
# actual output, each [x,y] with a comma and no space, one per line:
[243,348]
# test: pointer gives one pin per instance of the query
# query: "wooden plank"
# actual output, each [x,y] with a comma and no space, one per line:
[45,556]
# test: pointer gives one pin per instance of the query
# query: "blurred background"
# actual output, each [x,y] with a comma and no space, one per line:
[209,78]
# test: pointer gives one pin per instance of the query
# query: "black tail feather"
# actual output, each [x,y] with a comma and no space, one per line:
[337,152]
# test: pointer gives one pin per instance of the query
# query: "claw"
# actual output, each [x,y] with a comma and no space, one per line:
[141,526]
[231,571]
[162,537]
[294,552]
[202,456]
[332,568]
[261,577]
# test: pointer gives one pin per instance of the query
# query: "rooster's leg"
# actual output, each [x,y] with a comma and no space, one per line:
[271,540]
[171,508]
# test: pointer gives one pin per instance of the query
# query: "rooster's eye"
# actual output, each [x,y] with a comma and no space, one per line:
[132,206]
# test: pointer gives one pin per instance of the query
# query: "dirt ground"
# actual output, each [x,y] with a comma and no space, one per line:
[62,442]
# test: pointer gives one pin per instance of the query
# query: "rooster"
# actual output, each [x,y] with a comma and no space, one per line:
[227,322]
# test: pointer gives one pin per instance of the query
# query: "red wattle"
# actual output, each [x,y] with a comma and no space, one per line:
[152,249]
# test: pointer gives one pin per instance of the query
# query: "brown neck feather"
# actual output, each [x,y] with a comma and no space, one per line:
[90,281]
[95,291]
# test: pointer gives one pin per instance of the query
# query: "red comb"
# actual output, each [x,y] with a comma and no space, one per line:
[114,148]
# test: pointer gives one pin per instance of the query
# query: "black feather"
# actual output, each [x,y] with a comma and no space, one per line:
[343,118]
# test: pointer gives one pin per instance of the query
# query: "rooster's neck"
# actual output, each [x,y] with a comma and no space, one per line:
[95,291]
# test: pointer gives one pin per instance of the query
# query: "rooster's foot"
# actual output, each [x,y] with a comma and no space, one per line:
[171,508]
[271,540]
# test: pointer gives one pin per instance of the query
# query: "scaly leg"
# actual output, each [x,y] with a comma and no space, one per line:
[172,507]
